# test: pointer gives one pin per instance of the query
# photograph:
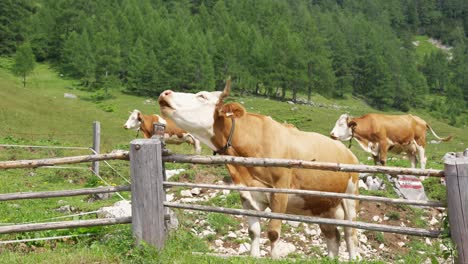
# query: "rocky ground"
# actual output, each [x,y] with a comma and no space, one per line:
[305,240]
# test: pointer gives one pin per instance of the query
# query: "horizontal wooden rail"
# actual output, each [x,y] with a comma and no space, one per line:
[18,164]
[63,225]
[260,162]
[308,192]
[65,193]
[289,163]
[47,147]
[310,219]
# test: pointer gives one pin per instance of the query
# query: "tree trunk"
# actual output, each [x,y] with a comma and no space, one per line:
[294,91]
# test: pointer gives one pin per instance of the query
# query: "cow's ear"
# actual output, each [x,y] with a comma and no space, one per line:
[232,110]
[352,124]
[139,116]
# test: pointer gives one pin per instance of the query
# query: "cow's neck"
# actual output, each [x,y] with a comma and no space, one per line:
[147,125]
[222,129]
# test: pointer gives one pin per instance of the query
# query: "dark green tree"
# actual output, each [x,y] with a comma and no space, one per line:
[13,22]
[24,61]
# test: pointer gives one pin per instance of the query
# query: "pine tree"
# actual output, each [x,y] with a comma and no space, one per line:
[24,61]
[13,15]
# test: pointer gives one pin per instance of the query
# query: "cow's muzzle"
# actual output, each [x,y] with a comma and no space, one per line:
[333,136]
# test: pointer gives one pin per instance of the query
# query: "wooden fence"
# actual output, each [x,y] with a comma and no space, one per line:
[149,208]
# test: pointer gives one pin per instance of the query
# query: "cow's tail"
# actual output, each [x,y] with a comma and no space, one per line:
[435,135]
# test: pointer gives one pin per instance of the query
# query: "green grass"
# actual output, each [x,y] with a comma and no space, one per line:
[40,115]
[423,48]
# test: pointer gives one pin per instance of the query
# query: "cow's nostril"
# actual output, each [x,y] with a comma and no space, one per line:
[166,93]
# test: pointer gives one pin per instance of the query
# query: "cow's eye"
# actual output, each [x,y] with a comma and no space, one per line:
[202,96]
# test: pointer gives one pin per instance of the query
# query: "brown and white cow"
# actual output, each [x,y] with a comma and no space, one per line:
[379,133]
[208,118]
[172,133]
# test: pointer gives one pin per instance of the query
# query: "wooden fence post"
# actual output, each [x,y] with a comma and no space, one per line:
[96,144]
[148,193]
[456,179]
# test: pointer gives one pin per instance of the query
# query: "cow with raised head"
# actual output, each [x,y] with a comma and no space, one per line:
[228,129]
[172,133]
[379,133]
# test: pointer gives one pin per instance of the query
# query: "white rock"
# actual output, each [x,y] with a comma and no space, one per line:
[293,223]
[263,253]
[170,173]
[381,246]
[230,251]
[169,197]
[363,185]
[186,193]
[363,239]
[205,233]
[283,248]
[226,192]
[119,209]
[401,244]
[443,247]
[310,232]
[231,235]
[195,191]
[433,221]
[218,243]
[385,218]
[69,96]
[376,218]
[191,200]
[244,247]
[428,241]
[302,238]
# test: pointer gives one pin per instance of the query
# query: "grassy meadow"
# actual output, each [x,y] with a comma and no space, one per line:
[40,115]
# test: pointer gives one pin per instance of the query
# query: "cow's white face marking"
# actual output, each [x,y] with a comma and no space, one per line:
[192,112]
[161,120]
[341,131]
[132,121]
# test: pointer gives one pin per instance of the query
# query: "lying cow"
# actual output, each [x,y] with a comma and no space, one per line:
[379,133]
[172,133]
[229,129]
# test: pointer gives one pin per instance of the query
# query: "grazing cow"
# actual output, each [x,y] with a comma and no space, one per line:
[172,133]
[378,133]
[228,129]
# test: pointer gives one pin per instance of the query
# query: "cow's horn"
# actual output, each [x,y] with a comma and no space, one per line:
[226,91]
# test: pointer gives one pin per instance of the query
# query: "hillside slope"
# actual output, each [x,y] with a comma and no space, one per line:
[40,112]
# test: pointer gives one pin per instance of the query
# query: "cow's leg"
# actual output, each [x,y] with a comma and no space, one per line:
[383,153]
[376,159]
[422,156]
[412,158]
[350,214]
[332,238]
[254,222]
[278,204]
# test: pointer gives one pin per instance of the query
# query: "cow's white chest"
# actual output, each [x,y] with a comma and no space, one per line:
[257,200]
[175,139]
[371,147]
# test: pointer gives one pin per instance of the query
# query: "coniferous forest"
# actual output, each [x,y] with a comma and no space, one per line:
[275,48]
